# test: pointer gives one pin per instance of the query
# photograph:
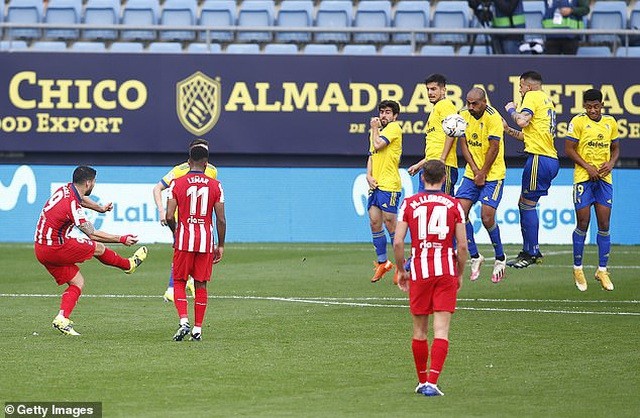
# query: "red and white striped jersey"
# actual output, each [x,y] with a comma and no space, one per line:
[195,195]
[432,219]
[59,215]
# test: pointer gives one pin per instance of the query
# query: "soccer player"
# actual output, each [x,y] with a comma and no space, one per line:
[60,253]
[434,219]
[592,143]
[383,177]
[177,171]
[537,118]
[195,196]
[483,148]
[439,146]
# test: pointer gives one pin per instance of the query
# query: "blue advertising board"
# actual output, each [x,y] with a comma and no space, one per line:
[270,104]
[288,204]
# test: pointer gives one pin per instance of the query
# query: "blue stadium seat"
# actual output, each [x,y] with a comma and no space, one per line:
[101,12]
[165,47]
[282,49]
[178,13]
[243,49]
[372,14]
[217,13]
[255,13]
[320,49]
[63,12]
[411,14]
[134,47]
[594,51]
[13,45]
[453,14]
[24,11]
[333,14]
[533,13]
[396,50]
[140,13]
[607,15]
[437,50]
[82,46]
[632,51]
[477,50]
[634,23]
[202,48]
[359,49]
[56,46]
[295,14]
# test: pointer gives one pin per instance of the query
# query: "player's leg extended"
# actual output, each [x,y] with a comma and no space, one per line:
[603,215]
[110,258]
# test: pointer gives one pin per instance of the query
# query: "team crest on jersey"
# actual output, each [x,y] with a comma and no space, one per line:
[198,103]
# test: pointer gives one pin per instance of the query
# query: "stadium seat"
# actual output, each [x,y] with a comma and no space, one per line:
[437,50]
[140,13]
[56,46]
[178,13]
[13,45]
[217,13]
[477,50]
[295,14]
[634,23]
[607,15]
[320,49]
[101,12]
[63,12]
[411,14]
[453,14]
[359,49]
[632,51]
[243,49]
[165,47]
[201,48]
[82,46]
[256,13]
[282,49]
[135,47]
[333,14]
[533,13]
[24,11]
[374,14]
[594,51]
[396,50]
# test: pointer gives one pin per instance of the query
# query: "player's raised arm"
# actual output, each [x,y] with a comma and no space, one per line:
[89,203]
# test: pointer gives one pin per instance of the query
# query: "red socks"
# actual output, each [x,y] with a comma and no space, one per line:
[439,350]
[69,299]
[111,258]
[201,305]
[180,297]
[420,350]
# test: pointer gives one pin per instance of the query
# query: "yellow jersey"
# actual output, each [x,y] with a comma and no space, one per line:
[435,135]
[539,134]
[182,169]
[385,162]
[594,142]
[478,136]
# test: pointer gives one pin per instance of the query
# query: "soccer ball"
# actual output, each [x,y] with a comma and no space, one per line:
[454,125]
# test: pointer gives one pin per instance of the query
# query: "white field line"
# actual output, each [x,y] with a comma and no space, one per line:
[353,303]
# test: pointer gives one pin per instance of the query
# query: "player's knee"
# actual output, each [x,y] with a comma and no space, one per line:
[99,249]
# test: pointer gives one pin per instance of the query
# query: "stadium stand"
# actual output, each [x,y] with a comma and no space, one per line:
[101,12]
[411,14]
[437,50]
[243,49]
[372,14]
[477,50]
[632,51]
[607,15]
[15,45]
[83,46]
[320,49]
[178,13]
[48,46]
[63,12]
[634,23]
[256,13]
[533,14]
[594,51]
[165,47]
[295,14]
[134,47]
[359,49]
[281,49]
[333,14]
[140,13]
[217,13]
[453,14]
[202,48]
[396,50]
[24,11]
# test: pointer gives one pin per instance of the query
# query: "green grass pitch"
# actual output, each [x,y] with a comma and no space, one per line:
[298,330]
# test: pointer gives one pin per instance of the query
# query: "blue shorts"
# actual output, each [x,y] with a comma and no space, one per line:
[490,194]
[588,193]
[448,185]
[386,201]
[539,171]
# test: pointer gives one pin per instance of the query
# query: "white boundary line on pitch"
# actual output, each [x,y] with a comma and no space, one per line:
[337,302]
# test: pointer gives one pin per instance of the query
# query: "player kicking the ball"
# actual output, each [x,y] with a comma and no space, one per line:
[196,197]
[59,253]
